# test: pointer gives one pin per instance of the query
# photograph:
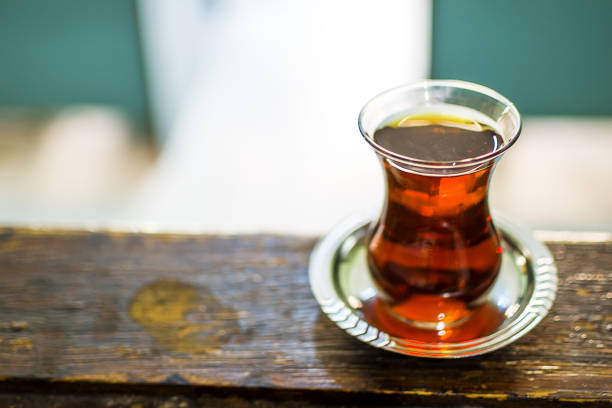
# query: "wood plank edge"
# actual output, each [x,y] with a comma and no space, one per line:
[573,237]
[18,386]
[550,236]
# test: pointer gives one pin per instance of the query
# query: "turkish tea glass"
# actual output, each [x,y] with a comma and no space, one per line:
[434,252]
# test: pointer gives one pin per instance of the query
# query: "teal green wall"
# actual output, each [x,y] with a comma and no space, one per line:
[550,57]
[56,53]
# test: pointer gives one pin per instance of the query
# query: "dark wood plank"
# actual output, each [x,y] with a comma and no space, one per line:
[233,317]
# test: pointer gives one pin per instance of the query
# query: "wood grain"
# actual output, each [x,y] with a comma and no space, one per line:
[122,319]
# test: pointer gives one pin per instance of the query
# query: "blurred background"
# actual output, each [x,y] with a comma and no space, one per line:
[241,116]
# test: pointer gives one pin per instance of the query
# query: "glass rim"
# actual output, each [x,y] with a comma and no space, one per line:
[430,164]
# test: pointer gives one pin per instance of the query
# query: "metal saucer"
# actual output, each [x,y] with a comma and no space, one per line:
[522,294]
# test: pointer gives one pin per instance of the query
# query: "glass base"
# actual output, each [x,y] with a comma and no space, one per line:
[447,314]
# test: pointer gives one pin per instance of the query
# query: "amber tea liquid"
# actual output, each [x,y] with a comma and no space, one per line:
[434,251]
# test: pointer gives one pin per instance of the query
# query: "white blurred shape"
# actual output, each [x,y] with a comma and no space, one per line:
[268,139]
[169,31]
[82,158]
[557,176]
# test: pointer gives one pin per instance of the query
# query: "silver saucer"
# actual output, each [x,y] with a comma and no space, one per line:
[522,294]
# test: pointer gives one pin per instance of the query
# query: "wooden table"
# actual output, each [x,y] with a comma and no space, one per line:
[105,319]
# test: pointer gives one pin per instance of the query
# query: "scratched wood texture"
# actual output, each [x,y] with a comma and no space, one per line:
[126,319]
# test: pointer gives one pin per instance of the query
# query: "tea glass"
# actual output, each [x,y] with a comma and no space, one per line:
[434,252]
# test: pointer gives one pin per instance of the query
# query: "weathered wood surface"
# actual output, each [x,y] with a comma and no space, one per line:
[123,319]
